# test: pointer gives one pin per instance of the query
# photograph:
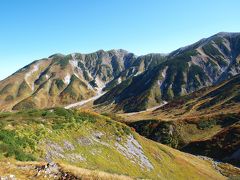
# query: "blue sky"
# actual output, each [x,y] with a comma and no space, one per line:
[31,30]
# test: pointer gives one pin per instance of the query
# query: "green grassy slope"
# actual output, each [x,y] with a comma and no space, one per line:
[87,140]
[200,123]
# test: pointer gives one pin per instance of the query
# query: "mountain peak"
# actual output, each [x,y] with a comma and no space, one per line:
[56,55]
[227,34]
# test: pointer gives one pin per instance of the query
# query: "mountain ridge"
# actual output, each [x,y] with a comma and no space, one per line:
[93,71]
[82,76]
[207,62]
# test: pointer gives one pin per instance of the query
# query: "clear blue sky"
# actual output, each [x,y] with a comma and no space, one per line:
[33,29]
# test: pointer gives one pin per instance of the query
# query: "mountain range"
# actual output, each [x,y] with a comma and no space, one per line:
[115,115]
[205,63]
[61,80]
[132,83]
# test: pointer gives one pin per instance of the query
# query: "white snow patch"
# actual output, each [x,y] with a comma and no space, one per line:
[77,75]
[119,80]
[85,101]
[29,74]
[139,72]
[183,91]
[134,151]
[227,45]
[67,79]
[164,72]
[156,107]
[233,71]
[99,93]
[223,69]
[89,86]
[74,64]
[100,84]
[189,63]
[149,109]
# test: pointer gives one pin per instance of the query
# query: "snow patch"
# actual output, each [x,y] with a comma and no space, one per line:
[183,91]
[74,63]
[147,110]
[234,71]
[227,45]
[84,101]
[164,72]
[29,74]
[67,79]
[139,72]
[100,85]
[99,93]
[75,67]
[119,80]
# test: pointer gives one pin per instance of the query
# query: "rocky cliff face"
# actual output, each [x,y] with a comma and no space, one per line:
[187,69]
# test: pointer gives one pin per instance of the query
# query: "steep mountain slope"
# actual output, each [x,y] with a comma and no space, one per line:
[60,80]
[216,136]
[225,145]
[222,98]
[187,69]
[205,122]
[94,142]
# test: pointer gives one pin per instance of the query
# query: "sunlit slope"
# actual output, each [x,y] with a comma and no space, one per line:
[94,142]
[60,80]
[202,64]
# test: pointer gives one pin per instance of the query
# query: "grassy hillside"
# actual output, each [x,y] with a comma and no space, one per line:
[178,133]
[204,122]
[94,142]
[224,145]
